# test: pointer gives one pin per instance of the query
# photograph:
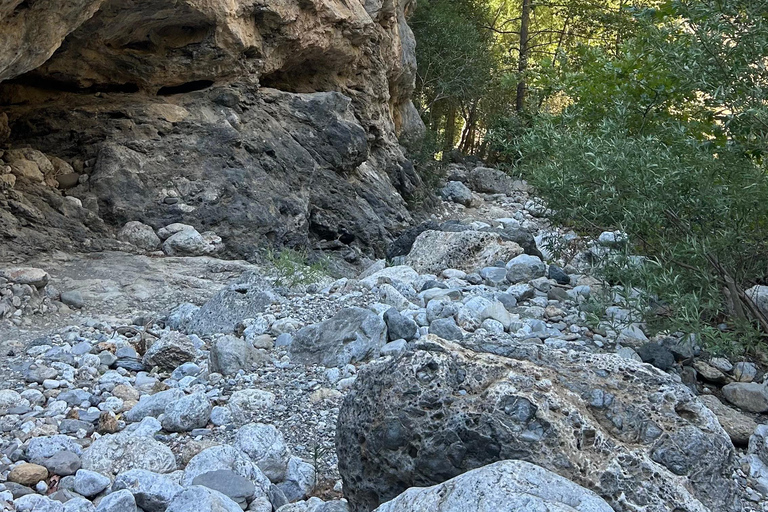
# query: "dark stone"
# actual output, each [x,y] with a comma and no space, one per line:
[657,355]
[276,497]
[428,285]
[74,396]
[474,278]
[523,238]
[446,328]
[129,363]
[18,490]
[509,301]
[398,326]
[63,463]
[558,274]
[227,482]
[68,426]
[73,298]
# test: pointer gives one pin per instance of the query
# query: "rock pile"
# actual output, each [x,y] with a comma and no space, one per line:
[25,291]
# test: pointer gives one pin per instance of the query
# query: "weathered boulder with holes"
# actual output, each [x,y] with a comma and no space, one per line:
[627,431]
[435,251]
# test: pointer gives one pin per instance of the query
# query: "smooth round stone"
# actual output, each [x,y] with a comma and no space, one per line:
[28,474]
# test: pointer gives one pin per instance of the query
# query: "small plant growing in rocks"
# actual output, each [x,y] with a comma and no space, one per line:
[292,268]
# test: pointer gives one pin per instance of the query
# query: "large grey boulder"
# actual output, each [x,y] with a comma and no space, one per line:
[229,307]
[627,431]
[435,251]
[189,242]
[352,335]
[237,488]
[44,447]
[524,268]
[37,503]
[299,481]
[265,446]
[739,426]
[457,192]
[187,413]
[119,501]
[90,483]
[139,234]
[153,492]
[507,485]
[32,276]
[230,354]
[202,499]
[401,273]
[226,457]
[399,326]
[153,405]
[116,453]
[446,329]
[493,181]
[750,396]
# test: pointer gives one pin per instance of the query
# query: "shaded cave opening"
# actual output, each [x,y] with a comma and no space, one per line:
[45,83]
[195,85]
[307,76]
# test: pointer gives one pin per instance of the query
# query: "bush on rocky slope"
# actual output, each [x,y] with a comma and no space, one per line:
[665,141]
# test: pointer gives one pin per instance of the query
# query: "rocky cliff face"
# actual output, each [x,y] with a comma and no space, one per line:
[272,121]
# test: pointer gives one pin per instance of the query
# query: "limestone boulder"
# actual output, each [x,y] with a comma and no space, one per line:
[352,335]
[627,431]
[469,251]
[506,485]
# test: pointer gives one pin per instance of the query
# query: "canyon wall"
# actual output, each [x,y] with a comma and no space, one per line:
[268,122]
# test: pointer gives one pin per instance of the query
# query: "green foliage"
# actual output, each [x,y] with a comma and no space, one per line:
[664,140]
[453,53]
[456,63]
[292,268]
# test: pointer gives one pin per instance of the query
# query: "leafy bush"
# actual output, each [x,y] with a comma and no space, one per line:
[699,216]
[665,141]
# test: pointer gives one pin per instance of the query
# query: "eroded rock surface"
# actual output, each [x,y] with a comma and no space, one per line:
[442,410]
[269,122]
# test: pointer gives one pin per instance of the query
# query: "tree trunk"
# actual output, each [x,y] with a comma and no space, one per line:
[450,127]
[467,135]
[522,63]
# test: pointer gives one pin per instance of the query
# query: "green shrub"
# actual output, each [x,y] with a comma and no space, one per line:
[292,268]
[664,139]
[699,217]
